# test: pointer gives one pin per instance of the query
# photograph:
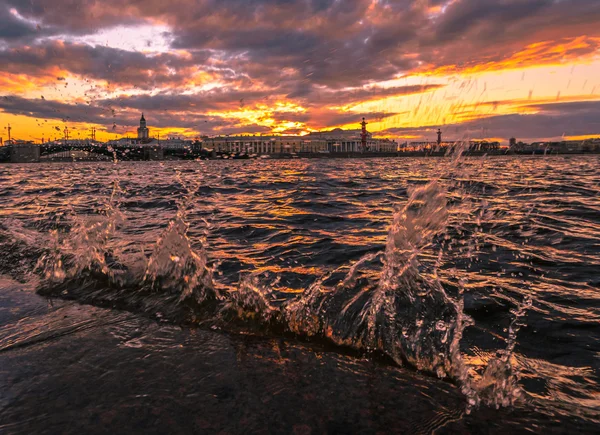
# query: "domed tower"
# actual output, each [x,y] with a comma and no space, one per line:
[143,132]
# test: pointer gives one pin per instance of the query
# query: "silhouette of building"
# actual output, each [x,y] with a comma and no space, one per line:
[142,131]
[264,144]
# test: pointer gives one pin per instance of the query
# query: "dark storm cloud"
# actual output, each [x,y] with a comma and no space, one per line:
[271,33]
[12,28]
[211,100]
[350,43]
[102,114]
[76,17]
[17,30]
[45,109]
[323,43]
[317,97]
[471,32]
[506,19]
[464,15]
[101,63]
[328,43]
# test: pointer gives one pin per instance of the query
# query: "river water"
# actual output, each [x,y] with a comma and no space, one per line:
[444,295]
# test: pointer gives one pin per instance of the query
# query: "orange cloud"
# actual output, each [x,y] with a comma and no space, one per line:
[15,83]
[578,49]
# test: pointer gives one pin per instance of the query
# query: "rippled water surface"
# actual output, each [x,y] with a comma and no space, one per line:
[335,295]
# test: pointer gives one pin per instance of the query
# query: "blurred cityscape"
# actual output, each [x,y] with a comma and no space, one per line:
[332,143]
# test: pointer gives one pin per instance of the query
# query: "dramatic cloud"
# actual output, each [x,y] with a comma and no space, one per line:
[75,16]
[334,43]
[284,65]
[12,27]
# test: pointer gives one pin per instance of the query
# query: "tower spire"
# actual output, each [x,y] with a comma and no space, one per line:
[143,132]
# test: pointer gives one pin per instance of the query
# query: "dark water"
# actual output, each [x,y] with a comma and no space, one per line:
[303,296]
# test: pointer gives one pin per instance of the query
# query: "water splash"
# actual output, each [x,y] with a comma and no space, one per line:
[51,264]
[499,385]
[420,318]
[403,311]
[253,302]
[89,247]
[21,248]
[88,263]
[175,267]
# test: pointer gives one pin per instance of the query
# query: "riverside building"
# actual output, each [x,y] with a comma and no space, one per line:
[264,144]
[350,141]
[329,142]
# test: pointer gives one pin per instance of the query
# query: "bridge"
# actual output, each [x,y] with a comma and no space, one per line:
[90,151]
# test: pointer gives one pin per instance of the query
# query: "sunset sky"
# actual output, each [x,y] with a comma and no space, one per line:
[476,68]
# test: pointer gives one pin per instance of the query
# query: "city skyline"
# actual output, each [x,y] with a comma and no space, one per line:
[484,71]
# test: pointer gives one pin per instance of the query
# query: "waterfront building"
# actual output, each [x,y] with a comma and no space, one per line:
[483,145]
[176,143]
[566,146]
[263,144]
[335,141]
[127,141]
[428,146]
[591,144]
